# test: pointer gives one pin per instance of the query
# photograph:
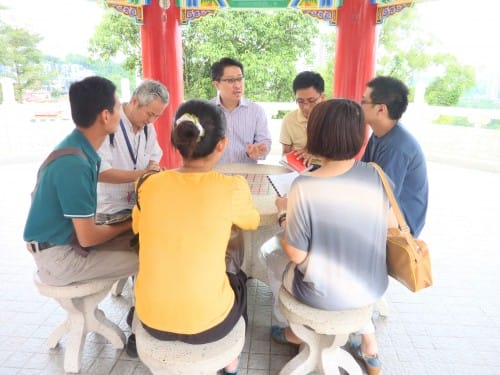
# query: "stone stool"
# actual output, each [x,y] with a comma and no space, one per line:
[323,333]
[80,301]
[176,358]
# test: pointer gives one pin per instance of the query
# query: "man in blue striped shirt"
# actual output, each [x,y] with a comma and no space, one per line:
[247,130]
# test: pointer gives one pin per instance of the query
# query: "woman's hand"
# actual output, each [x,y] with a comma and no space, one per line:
[281,203]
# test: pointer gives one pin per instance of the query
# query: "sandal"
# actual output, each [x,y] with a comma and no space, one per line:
[278,336]
[372,362]
[235,371]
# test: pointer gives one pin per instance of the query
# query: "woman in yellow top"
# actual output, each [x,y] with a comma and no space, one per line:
[182,290]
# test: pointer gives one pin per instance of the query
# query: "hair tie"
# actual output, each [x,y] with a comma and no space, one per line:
[194,119]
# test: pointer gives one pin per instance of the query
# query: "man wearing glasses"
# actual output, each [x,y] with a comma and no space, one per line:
[395,149]
[309,90]
[247,130]
[132,150]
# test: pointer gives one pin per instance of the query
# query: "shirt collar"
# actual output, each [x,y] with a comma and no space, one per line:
[243,102]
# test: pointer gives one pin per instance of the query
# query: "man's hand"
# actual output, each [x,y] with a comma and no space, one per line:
[302,154]
[257,150]
[153,166]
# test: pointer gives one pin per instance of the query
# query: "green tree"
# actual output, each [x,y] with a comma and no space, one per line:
[269,44]
[326,67]
[403,47]
[406,51]
[116,36]
[448,89]
[19,53]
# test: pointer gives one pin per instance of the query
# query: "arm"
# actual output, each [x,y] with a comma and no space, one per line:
[246,215]
[285,149]
[262,137]
[295,255]
[90,234]
[120,176]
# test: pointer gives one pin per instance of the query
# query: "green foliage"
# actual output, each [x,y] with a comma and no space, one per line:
[453,120]
[448,89]
[405,52]
[267,43]
[281,113]
[493,124]
[112,70]
[326,68]
[19,53]
[117,35]
[402,47]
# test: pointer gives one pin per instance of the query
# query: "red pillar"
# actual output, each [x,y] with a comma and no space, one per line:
[355,51]
[162,61]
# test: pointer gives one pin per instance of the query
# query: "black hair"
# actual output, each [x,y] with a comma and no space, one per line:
[217,68]
[307,79]
[188,138]
[89,97]
[391,92]
[336,129]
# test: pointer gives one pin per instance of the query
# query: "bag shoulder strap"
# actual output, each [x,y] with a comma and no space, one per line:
[140,181]
[54,155]
[394,203]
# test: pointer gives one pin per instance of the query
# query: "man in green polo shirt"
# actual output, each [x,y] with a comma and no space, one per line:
[64,202]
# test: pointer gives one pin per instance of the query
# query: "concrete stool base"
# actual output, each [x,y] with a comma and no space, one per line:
[178,358]
[323,333]
[80,301]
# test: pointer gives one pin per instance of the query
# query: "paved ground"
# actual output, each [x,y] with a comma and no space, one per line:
[451,328]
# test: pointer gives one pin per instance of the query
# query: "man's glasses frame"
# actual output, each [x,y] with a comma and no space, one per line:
[311,101]
[232,81]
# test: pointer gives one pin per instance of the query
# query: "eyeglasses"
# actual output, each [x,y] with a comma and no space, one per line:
[302,102]
[152,115]
[365,101]
[232,81]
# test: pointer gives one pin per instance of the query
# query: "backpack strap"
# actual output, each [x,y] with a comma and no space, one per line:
[140,181]
[54,155]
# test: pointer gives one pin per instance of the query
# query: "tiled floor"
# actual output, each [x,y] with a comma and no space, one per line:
[451,328]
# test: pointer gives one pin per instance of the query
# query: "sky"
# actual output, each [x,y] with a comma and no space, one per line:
[467,28]
[65,25]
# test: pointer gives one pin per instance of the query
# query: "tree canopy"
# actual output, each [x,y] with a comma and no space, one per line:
[269,44]
[117,35]
[408,52]
[21,57]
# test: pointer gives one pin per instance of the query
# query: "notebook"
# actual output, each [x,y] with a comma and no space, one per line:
[291,161]
[101,218]
[282,182]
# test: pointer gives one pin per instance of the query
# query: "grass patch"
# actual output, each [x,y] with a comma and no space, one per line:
[453,120]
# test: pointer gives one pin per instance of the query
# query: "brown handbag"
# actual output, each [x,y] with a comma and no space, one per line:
[408,259]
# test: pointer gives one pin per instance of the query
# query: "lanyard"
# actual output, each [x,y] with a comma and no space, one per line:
[129,146]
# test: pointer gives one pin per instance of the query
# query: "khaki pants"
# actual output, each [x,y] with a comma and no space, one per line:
[61,265]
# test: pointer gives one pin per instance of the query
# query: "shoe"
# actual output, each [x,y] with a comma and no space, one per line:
[278,336]
[131,348]
[235,371]
[372,362]
[130,316]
